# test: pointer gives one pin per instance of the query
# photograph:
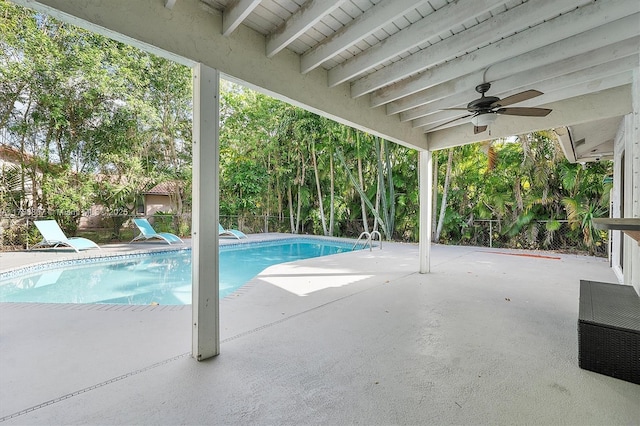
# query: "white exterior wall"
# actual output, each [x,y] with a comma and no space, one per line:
[616,237]
[158,203]
[632,184]
[625,251]
[625,202]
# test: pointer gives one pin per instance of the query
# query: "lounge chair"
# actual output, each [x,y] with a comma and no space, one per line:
[53,236]
[231,232]
[147,232]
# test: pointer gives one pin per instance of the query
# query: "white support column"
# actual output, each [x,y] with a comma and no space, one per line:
[204,254]
[425,184]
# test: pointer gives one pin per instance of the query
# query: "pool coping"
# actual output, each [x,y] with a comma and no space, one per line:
[35,267]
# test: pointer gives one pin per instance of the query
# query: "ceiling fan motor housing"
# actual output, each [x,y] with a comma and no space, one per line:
[482,104]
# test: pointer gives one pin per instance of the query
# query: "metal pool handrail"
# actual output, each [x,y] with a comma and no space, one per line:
[369,240]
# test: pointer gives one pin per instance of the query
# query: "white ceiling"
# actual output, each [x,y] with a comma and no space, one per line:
[409,60]
[417,58]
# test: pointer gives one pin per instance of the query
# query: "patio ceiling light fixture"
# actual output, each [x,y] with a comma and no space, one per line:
[484,119]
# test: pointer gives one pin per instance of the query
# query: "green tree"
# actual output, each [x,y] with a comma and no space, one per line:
[77,103]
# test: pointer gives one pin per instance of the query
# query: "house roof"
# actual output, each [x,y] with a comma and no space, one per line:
[164,188]
[394,68]
[11,155]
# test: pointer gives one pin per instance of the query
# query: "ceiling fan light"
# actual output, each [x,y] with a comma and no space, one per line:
[485,119]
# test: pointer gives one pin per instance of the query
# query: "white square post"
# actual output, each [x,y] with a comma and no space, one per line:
[425,186]
[204,221]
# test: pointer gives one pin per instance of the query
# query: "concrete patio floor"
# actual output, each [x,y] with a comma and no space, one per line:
[489,337]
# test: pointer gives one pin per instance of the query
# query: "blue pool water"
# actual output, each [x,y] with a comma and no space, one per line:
[163,278]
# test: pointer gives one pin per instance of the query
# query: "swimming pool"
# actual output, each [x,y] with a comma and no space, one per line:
[162,278]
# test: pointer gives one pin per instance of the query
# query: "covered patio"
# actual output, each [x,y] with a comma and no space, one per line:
[404,71]
[406,335]
[489,337]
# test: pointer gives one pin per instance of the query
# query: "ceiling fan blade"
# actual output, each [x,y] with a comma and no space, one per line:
[525,112]
[479,129]
[518,97]
[454,109]
[450,121]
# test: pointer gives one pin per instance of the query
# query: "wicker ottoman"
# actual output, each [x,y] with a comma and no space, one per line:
[609,330]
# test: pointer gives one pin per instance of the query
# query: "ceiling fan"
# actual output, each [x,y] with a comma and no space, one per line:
[484,110]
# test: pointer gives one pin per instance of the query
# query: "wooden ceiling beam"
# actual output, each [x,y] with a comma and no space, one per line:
[306,17]
[523,81]
[414,35]
[357,30]
[500,26]
[584,88]
[575,25]
[235,13]
[414,106]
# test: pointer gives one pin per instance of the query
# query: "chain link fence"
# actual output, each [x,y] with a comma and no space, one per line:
[18,232]
[251,224]
[557,235]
